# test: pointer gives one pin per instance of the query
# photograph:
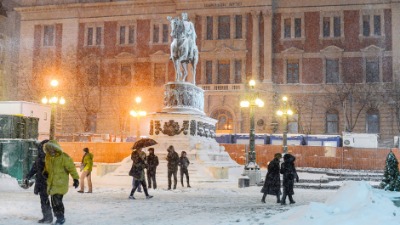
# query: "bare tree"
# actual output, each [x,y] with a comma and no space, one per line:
[354,98]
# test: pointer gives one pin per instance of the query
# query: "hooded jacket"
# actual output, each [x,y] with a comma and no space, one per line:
[88,161]
[37,171]
[58,166]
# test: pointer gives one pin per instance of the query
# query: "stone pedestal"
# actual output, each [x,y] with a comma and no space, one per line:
[183,124]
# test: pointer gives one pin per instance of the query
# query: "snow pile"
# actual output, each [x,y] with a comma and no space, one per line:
[354,203]
[8,183]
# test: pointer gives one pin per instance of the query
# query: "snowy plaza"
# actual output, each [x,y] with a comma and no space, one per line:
[206,203]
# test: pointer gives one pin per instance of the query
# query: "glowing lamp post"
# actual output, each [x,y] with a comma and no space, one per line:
[251,169]
[53,100]
[137,114]
[285,112]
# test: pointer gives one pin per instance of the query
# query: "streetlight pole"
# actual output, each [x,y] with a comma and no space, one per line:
[137,113]
[251,169]
[285,112]
[53,101]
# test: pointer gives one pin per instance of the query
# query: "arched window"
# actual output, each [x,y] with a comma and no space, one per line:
[225,120]
[332,122]
[372,121]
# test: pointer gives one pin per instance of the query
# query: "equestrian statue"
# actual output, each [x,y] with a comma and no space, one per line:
[183,47]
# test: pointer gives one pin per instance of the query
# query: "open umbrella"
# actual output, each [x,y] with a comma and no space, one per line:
[143,143]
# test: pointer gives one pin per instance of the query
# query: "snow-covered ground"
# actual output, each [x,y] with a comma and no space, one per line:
[205,203]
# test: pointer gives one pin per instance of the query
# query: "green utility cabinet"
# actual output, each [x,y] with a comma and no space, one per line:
[16,126]
[17,157]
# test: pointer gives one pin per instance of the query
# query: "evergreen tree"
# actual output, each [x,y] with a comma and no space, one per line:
[391,180]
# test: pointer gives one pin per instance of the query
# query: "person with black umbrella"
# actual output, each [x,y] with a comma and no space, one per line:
[137,171]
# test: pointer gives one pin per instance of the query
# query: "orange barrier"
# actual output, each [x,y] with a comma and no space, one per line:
[318,156]
[306,156]
[104,152]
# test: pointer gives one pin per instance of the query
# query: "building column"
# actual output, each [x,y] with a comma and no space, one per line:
[214,71]
[267,16]
[203,72]
[233,27]
[395,41]
[215,27]
[232,71]
[255,57]
[243,73]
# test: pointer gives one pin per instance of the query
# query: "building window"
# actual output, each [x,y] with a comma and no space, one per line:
[94,35]
[372,121]
[48,35]
[372,23]
[126,75]
[224,27]
[292,71]
[159,74]
[224,118]
[156,33]
[287,28]
[165,33]
[293,124]
[292,27]
[209,22]
[332,122]
[332,71]
[331,25]
[209,72]
[160,33]
[93,75]
[238,26]
[223,71]
[371,70]
[238,71]
[126,34]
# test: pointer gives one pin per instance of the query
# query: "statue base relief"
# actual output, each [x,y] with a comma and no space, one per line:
[183,124]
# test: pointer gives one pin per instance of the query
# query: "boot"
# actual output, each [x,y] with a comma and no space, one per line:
[59,221]
[263,198]
[291,199]
[182,184]
[46,220]
[278,199]
[188,185]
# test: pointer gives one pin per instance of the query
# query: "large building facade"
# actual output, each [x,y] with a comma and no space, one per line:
[338,62]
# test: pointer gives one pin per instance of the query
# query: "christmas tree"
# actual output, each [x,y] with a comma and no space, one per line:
[391,180]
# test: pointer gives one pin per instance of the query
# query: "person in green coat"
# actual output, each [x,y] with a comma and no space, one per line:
[58,167]
[86,169]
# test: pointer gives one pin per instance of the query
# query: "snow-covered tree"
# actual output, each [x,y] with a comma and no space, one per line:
[391,180]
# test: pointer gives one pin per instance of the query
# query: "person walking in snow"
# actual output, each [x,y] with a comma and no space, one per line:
[272,183]
[173,162]
[139,188]
[58,165]
[137,171]
[40,184]
[152,163]
[184,163]
[289,175]
[86,167]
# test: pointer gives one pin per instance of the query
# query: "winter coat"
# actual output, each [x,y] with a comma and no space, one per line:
[37,169]
[173,161]
[272,183]
[58,167]
[152,163]
[289,174]
[88,162]
[184,162]
[138,165]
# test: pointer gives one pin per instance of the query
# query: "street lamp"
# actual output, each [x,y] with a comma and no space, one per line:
[285,112]
[137,113]
[53,100]
[251,169]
